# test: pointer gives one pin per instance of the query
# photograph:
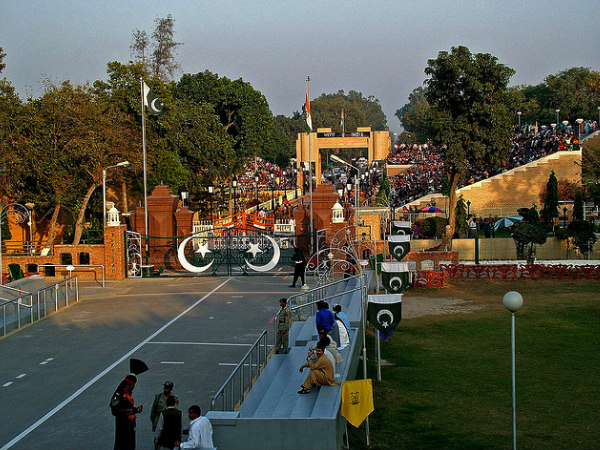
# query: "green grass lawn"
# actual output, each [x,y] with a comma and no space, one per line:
[447,382]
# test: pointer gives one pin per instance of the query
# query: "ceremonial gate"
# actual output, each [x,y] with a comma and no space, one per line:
[221,251]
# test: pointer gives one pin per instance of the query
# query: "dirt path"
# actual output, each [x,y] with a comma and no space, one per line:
[424,306]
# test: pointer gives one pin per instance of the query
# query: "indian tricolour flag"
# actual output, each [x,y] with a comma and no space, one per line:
[308,115]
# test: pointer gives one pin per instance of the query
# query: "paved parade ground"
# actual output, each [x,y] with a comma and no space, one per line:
[58,375]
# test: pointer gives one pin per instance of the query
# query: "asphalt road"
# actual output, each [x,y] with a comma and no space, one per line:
[57,375]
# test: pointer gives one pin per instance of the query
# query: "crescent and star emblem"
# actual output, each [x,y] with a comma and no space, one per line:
[394,279]
[154,107]
[387,312]
[203,250]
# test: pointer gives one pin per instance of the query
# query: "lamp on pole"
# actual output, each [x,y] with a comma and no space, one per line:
[565,217]
[565,123]
[272,176]
[256,179]
[234,183]
[284,186]
[21,214]
[557,116]
[121,164]
[553,125]
[579,121]
[598,115]
[356,181]
[184,197]
[519,117]
[513,301]
[211,191]
[468,207]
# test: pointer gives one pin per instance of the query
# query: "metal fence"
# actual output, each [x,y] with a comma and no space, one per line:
[27,307]
[233,392]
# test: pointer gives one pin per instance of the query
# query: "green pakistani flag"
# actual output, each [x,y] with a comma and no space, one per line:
[399,245]
[385,311]
[152,102]
[401,227]
[395,277]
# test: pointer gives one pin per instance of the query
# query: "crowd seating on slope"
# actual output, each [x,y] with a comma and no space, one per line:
[517,183]
[274,415]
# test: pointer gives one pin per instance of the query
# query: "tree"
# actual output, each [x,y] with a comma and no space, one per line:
[359,111]
[2,55]
[528,233]
[582,235]
[162,61]
[414,115]
[578,206]
[550,210]
[243,111]
[468,114]
[461,225]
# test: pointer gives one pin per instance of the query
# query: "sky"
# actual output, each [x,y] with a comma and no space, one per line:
[377,47]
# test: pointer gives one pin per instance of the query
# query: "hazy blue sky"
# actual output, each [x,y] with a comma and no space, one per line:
[379,48]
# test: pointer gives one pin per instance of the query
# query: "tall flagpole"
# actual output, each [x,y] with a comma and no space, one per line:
[144,160]
[310,185]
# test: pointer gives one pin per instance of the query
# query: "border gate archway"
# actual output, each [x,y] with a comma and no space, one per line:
[377,143]
[218,252]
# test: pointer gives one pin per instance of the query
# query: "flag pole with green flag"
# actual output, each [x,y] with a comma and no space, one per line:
[155,108]
[310,186]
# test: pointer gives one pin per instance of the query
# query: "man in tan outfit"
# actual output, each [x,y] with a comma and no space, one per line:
[321,371]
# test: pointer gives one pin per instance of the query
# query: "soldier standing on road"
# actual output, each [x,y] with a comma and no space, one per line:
[160,403]
[299,265]
[283,327]
[124,409]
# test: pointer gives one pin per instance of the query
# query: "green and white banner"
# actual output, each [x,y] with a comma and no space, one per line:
[385,311]
[401,227]
[395,276]
[399,245]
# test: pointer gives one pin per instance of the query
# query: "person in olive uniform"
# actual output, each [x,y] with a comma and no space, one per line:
[283,327]
[160,403]
[123,408]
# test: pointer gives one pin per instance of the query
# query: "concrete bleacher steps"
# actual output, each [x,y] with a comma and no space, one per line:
[502,194]
[274,415]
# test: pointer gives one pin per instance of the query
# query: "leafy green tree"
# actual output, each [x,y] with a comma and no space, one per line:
[2,56]
[414,115]
[528,233]
[158,55]
[468,114]
[550,210]
[359,111]
[276,148]
[461,225]
[578,206]
[582,235]
[243,111]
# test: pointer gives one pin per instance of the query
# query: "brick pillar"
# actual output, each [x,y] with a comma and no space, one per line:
[184,218]
[114,252]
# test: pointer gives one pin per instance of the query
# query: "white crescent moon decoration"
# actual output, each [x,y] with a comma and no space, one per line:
[153,106]
[185,263]
[271,264]
[392,280]
[396,250]
[381,313]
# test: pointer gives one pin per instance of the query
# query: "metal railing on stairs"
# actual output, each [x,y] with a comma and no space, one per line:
[30,307]
[233,392]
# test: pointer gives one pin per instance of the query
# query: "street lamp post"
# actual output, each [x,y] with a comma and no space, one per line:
[513,301]
[21,214]
[356,181]
[211,191]
[565,123]
[284,186]
[565,217]
[234,183]
[468,207]
[256,179]
[557,116]
[579,121]
[121,164]
[553,125]
[519,117]
[184,197]
[272,191]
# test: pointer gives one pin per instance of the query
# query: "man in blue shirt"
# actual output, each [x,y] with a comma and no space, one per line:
[324,317]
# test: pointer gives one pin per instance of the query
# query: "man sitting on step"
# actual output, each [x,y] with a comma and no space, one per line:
[321,371]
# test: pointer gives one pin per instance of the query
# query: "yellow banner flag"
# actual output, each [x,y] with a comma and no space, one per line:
[357,400]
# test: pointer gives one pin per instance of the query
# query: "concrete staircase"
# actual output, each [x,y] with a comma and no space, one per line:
[522,186]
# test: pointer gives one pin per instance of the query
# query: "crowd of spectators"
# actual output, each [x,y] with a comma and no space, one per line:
[426,172]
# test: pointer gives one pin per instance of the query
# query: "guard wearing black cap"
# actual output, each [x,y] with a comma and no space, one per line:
[124,409]
[160,403]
